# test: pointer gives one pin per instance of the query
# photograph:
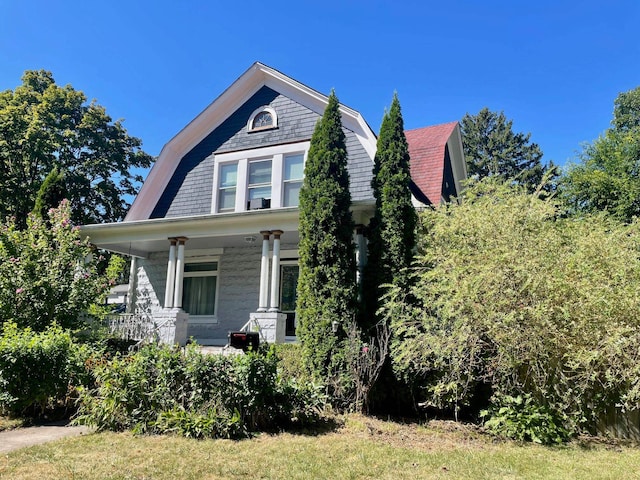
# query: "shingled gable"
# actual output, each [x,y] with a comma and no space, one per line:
[436,161]
[255,78]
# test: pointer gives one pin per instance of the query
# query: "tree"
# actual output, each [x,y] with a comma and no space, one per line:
[512,298]
[326,286]
[492,148]
[392,232]
[44,126]
[607,178]
[51,193]
[47,272]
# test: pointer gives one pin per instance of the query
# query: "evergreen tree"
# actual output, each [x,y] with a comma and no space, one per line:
[492,148]
[326,286]
[392,230]
[52,191]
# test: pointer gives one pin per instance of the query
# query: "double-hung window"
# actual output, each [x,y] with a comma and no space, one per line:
[292,179]
[259,184]
[200,288]
[269,177]
[227,188]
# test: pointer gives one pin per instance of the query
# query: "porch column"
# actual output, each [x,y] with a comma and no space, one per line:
[171,274]
[131,292]
[264,272]
[177,298]
[361,257]
[275,273]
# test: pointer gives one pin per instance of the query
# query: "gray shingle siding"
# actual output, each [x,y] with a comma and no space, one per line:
[189,191]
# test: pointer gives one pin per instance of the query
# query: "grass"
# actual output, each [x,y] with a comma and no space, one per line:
[7,423]
[363,448]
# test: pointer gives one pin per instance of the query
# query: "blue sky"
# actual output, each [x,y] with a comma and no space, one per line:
[553,67]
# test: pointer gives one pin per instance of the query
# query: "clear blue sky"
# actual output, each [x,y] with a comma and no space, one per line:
[554,67]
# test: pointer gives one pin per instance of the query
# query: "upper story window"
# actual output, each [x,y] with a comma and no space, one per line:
[268,177]
[263,118]
[292,179]
[227,187]
[259,185]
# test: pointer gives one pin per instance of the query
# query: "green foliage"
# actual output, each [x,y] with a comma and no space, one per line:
[165,390]
[47,272]
[492,148]
[392,230]
[326,286]
[607,178]
[44,126]
[511,297]
[51,193]
[37,370]
[520,418]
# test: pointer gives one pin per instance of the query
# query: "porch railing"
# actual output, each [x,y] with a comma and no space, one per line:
[130,326]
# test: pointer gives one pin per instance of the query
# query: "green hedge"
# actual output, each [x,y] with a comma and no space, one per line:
[38,369]
[169,390]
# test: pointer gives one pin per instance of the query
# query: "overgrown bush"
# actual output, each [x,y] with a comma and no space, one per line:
[38,370]
[168,390]
[511,297]
[47,272]
[521,418]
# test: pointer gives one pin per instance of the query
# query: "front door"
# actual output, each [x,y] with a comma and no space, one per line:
[288,295]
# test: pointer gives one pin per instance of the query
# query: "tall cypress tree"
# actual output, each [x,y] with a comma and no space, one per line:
[326,286]
[52,191]
[392,230]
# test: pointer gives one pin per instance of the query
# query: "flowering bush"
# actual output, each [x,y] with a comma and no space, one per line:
[47,272]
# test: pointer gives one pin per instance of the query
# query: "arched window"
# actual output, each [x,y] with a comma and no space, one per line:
[263,118]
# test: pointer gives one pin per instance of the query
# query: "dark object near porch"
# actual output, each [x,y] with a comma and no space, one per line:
[244,340]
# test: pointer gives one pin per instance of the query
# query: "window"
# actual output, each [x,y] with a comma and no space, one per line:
[292,179]
[263,118]
[259,184]
[227,187]
[266,177]
[200,288]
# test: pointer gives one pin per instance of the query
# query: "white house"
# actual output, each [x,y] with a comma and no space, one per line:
[213,233]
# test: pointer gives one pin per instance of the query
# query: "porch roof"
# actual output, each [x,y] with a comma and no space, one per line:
[140,237]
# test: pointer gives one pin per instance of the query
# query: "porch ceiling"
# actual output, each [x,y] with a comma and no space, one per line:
[141,237]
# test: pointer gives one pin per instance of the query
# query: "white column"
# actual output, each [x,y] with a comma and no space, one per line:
[264,272]
[131,292]
[171,275]
[177,298]
[274,305]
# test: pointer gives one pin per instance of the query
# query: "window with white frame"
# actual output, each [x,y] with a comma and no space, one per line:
[268,177]
[200,288]
[227,187]
[292,179]
[263,118]
[259,184]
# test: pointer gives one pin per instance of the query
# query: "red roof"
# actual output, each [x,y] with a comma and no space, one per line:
[426,149]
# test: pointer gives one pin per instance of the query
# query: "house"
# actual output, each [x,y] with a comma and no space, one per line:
[213,233]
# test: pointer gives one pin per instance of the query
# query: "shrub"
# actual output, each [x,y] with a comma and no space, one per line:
[167,390]
[520,418]
[512,297]
[38,370]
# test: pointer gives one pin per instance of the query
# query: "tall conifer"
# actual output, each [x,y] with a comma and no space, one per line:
[326,287]
[392,230]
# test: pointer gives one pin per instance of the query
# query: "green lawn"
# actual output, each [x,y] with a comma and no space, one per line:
[363,448]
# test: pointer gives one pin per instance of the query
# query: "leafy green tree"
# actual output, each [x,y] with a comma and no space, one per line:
[51,193]
[392,230]
[42,126]
[510,296]
[47,272]
[326,286]
[607,178]
[492,148]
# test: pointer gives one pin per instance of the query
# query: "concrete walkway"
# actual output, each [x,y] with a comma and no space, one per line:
[25,437]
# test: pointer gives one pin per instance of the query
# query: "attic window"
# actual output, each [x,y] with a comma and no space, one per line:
[264,118]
